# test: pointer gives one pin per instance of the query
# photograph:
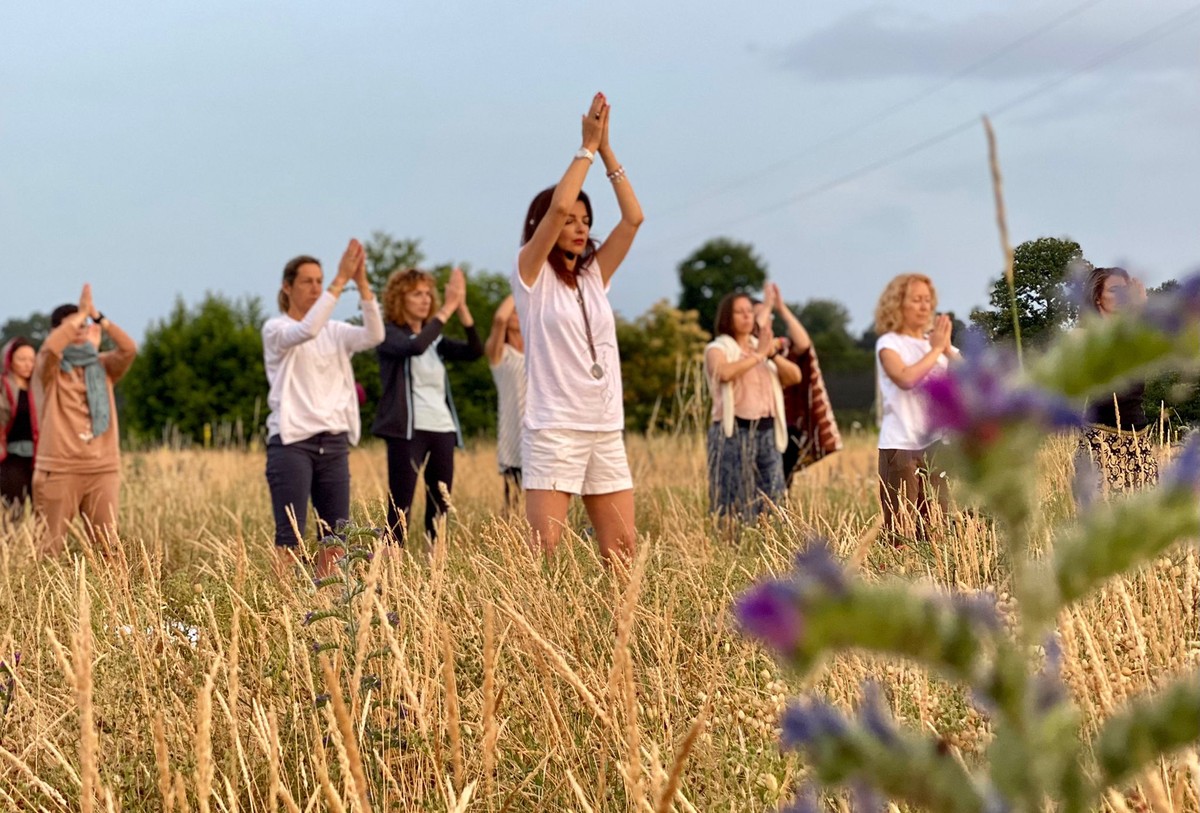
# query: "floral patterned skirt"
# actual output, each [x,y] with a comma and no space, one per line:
[1124,461]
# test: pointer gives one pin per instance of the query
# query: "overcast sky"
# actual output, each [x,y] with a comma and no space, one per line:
[162,149]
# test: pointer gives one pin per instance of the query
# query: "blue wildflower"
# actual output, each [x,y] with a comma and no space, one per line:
[980,608]
[1172,311]
[769,612]
[1048,687]
[806,721]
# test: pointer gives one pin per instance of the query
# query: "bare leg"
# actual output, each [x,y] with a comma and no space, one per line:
[547,514]
[612,517]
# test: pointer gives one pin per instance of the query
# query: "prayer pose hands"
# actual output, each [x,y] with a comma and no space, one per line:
[595,124]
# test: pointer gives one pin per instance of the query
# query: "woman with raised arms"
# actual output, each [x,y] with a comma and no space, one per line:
[574,414]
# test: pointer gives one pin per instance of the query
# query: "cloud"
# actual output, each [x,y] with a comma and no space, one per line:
[884,43]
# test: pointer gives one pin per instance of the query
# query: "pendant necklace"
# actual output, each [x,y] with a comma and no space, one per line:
[597,371]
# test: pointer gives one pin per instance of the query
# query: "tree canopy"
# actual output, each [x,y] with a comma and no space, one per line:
[718,267]
[1045,304]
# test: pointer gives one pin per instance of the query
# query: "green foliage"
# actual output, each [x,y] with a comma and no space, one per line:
[1039,759]
[718,267]
[1044,302]
[35,328]
[660,354]
[386,254]
[201,365]
[828,324]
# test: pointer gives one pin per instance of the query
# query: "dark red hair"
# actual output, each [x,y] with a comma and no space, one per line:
[538,209]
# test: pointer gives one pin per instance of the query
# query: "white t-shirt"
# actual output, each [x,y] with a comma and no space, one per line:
[905,423]
[309,373]
[509,375]
[430,411]
[561,391]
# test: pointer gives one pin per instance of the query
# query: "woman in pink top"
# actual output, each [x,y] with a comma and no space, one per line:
[574,416]
[748,434]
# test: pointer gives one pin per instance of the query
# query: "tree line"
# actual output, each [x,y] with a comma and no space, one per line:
[200,368]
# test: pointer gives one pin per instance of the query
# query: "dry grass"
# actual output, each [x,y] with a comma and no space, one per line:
[521,684]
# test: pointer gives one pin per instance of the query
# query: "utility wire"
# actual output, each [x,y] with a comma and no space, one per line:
[887,112]
[1150,35]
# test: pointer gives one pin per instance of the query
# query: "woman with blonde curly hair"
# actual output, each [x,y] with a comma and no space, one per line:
[416,415]
[912,345]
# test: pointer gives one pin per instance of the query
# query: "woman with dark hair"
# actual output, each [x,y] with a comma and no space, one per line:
[913,344]
[18,427]
[1117,439]
[416,412]
[574,414]
[747,437]
[314,407]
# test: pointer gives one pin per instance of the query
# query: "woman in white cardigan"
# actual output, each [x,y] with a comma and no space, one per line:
[746,374]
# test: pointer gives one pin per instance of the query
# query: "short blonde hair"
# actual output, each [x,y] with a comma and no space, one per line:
[398,286]
[889,313]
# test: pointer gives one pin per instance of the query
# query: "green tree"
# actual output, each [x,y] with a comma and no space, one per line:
[386,254]
[1045,305]
[828,324]
[718,267]
[661,352]
[35,328]
[201,365]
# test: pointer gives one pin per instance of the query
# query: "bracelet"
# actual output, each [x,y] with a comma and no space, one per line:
[617,175]
[100,317]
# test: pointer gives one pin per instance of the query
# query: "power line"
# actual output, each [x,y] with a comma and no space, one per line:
[888,111]
[1134,43]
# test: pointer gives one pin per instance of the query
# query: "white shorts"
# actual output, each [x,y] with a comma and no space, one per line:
[574,461]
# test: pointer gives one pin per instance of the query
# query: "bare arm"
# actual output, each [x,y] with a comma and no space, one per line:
[534,253]
[801,341]
[789,371]
[494,348]
[620,239]
[721,370]
[908,376]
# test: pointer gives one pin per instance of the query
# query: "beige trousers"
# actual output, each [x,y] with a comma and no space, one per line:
[59,497]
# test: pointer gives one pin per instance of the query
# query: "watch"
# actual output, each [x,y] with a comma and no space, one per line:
[586,155]
[100,317]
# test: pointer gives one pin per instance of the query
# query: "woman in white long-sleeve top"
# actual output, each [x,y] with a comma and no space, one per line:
[314,406]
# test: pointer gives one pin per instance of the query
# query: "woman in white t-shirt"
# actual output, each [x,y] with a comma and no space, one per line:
[314,406]
[574,415]
[912,345]
[505,351]
[416,415]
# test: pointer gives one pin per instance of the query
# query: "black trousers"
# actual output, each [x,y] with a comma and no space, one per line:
[318,467]
[434,451]
[16,483]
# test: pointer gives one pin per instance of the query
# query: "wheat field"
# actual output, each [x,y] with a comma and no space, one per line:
[179,674]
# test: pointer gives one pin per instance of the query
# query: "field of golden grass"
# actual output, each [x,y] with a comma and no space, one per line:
[180,675]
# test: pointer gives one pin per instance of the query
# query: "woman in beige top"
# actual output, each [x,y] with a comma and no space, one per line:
[748,434]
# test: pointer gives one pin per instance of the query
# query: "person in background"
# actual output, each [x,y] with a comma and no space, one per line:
[505,351]
[1116,439]
[811,425]
[416,415]
[77,471]
[314,416]
[574,413]
[913,344]
[18,427]
[746,373]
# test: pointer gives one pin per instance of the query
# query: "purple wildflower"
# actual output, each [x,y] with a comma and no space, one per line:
[983,395]
[1085,482]
[1048,687]
[1170,312]
[805,722]
[866,798]
[393,618]
[1184,473]
[769,611]
[321,700]
[806,801]
[816,564]
[874,715]
[980,608]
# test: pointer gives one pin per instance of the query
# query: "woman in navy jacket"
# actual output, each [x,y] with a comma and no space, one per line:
[416,413]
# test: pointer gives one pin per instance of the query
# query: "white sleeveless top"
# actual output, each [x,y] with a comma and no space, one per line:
[562,394]
[509,375]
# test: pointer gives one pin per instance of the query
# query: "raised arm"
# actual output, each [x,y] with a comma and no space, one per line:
[613,251]
[279,335]
[370,332]
[50,353]
[494,348]
[399,342]
[534,253]
[801,341]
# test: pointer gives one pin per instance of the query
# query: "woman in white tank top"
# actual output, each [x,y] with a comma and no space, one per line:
[505,350]
[574,416]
